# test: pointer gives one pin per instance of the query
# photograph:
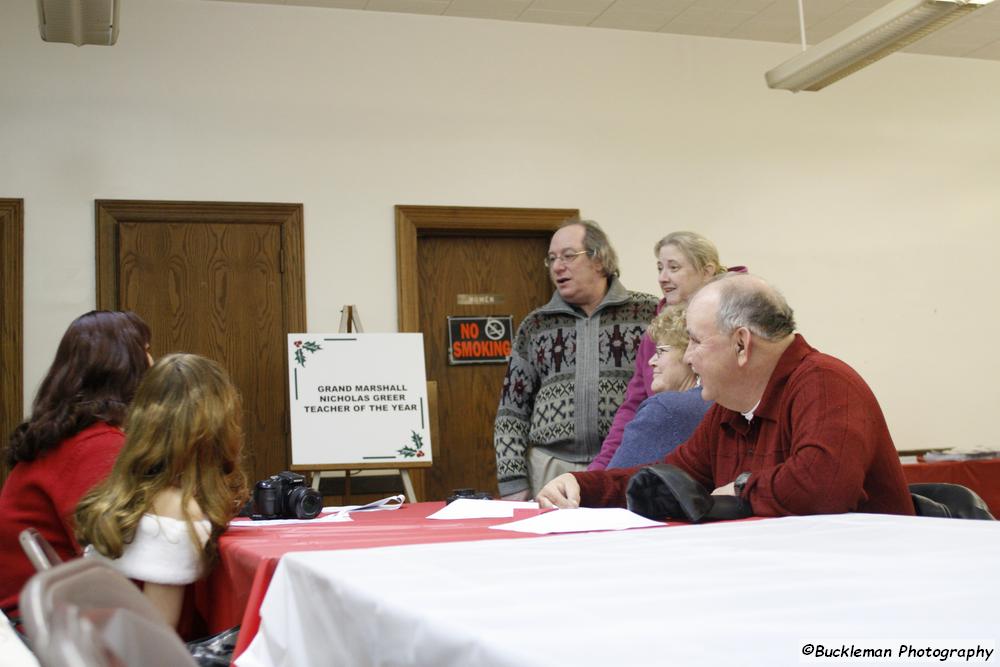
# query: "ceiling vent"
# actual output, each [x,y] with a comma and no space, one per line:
[79,21]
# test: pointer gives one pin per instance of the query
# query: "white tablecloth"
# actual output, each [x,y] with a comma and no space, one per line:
[743,593]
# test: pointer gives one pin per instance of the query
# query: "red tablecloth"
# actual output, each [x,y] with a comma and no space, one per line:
[980,475]
[248,556]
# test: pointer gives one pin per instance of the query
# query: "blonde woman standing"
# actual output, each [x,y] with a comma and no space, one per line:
[686,261]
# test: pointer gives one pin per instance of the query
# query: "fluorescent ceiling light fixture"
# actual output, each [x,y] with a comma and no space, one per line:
[79,21]
[899,23]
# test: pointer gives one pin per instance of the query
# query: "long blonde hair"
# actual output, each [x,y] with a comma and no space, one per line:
[183,430]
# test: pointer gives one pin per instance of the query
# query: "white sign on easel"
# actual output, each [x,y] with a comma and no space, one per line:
[358,401]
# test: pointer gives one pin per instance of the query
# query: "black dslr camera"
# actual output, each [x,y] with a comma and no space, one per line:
[468,493]
[285,496]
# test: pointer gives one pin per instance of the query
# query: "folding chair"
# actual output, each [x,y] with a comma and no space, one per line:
[38,550]
[83,613]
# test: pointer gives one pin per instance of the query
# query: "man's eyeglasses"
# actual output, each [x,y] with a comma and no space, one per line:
[660,349]
[567,257]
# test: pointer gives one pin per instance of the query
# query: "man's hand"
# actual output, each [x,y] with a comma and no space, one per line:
[518,496]
[727,490]
[562,492]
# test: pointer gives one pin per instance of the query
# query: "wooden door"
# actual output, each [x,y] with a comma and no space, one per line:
[493,255]
[213,279]
[11,327]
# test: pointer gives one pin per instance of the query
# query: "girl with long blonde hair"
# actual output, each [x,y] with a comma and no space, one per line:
[176,484]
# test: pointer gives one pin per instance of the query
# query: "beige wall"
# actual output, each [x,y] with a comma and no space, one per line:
[873,204]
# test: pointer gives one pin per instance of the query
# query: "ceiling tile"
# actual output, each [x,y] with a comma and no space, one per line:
[594,7]
[782,10]
[867,6]
[750,5]
[976,35]
[682,28]
[730,20]
[972,26]
[332,4]
[408,6]
[710,5]
[767,31]
[557,18]
[671,7]
[989,12]
[629,20]
[817,31]
[488,9]
[699,14]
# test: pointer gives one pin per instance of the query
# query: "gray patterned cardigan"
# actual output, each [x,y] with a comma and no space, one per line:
[566,378]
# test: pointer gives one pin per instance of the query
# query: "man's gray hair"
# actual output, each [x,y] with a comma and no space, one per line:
[748,301]
[597,245]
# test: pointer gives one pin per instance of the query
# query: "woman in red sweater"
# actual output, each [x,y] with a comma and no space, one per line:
[71,439]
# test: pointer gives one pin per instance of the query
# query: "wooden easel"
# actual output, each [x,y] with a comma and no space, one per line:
[350,322]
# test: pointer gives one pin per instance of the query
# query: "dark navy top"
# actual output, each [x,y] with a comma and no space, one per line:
[662,422]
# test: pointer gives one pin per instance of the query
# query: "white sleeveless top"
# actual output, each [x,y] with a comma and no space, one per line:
[162,551]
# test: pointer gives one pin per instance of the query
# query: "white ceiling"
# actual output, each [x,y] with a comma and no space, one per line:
[974,36]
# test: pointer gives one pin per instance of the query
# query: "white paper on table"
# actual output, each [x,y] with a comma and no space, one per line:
[335,514]
[477,508]
[579,520]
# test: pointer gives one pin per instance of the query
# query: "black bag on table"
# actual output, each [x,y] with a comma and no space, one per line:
[664,491]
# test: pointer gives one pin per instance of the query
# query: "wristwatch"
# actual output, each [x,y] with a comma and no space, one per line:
[740,483]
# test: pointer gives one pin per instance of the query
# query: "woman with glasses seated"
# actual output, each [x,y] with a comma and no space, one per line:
[686,261]
[668,417]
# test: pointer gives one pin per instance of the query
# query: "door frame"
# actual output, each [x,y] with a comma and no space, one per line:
[11,317]
[415,221]
[110,213]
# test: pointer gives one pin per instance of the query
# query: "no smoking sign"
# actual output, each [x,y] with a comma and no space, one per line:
[479,340]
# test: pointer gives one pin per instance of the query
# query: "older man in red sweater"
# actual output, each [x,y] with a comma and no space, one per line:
[793,430]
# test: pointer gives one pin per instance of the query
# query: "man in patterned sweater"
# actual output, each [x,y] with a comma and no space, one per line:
[570,365]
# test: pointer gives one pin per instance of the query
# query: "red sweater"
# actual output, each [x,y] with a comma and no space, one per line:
[44,493]
[818,444]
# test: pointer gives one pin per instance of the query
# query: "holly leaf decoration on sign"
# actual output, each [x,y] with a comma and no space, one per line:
[415,449]
[301,348]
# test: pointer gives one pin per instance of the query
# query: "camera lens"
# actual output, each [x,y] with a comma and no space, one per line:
[304,503]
